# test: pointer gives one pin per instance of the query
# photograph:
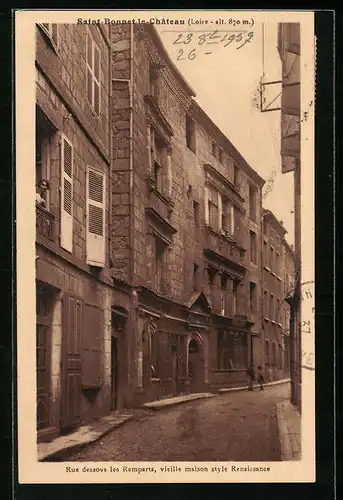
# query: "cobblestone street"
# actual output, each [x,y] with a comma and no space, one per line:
[237,426]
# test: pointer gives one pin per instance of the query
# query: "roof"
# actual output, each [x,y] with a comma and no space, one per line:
[225,142]
[164,55]
[197,110]
[268,214]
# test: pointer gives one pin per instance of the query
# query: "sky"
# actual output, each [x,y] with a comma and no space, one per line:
[225,82]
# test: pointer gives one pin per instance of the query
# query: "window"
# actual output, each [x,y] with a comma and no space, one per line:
[67,194]
[51,31]
[195,277]
[160,248]
[93,73]
[232,350]
[196,213]
[223,291]
[236,176]
[252,290]
[277,264]
[234,296]
[44,134]
[265,253]
[278,311]
[271,307]
[190,134]
[95,247]
[220,156]
[228,222]
[213,212]
[271,263]
[252,203]
[159,162]
[153,81]
[253,249]
[265,303]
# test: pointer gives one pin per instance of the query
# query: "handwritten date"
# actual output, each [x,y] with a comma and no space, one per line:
[238,38]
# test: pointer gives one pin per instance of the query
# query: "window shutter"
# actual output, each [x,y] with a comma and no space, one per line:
[92,347]
[66,194]
[95,218]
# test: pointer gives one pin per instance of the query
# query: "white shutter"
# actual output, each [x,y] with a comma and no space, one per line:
[95,218]
[66,194]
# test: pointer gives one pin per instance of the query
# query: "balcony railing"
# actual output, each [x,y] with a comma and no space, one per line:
[45,223]
[222,245]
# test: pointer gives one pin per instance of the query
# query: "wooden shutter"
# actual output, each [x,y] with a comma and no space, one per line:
[95,218]
[71,361]
[92,347]
[67,168]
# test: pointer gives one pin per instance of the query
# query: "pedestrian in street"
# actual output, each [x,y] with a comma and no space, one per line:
[260,377]
[251,377]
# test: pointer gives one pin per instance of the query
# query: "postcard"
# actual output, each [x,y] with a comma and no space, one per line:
[165,246]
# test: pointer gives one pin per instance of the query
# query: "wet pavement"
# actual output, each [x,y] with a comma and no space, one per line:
[238,426]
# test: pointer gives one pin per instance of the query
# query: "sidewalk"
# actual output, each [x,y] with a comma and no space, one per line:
[87,434]
[255,386]
[289,424]
[165,403]
[83,436]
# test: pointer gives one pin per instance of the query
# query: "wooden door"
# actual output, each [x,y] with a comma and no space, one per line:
[196,368]
[71,362]
[43,354]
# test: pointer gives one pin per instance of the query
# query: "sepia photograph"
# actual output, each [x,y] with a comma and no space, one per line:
[165,211]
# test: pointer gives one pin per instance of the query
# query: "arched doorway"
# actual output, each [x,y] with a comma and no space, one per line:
[196,365]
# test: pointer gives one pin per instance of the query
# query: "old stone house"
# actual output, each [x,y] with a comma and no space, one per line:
[186,228]
[278,280]
[74,288]
[149,231]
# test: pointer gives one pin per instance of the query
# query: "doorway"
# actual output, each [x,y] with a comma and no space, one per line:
[196,365]
[114,373]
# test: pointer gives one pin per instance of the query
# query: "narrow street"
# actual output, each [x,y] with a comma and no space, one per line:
[237,426]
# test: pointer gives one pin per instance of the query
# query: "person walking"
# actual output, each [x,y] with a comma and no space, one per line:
[260,377]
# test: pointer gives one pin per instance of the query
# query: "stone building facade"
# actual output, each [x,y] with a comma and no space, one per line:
[149,237]
[74,288]
[278,276]
[186,229]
